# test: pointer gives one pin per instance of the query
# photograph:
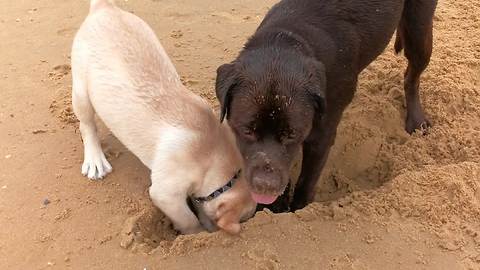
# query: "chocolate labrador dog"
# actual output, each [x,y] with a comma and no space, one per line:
[290,84]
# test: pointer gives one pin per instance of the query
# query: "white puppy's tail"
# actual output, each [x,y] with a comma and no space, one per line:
[98,4]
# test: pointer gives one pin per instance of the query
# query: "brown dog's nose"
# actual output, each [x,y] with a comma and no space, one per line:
[264,175]
[266,181]
[268,168]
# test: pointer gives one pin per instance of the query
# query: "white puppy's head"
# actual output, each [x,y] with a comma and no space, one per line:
[228,208]
[232,203]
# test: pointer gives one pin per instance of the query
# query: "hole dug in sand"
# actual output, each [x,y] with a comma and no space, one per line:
[151,232]
[147,230]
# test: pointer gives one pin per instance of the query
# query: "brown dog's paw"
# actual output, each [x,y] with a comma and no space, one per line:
[420,124]
[296,205]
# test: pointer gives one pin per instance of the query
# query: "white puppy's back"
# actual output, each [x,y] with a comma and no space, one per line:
[135,81]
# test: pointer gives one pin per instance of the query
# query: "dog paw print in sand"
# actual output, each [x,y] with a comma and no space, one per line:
[234,17]
[263,257]
[176,34]
[451,240]
[67,32]
[61,105]
[347,262]
[471,262]
[59,72]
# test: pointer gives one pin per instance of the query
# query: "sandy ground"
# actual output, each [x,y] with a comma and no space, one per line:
[386,200]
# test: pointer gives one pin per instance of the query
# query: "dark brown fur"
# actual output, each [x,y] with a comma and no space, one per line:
[289,86]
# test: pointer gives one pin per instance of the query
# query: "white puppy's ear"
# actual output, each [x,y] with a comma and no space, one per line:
[231,228]
[227,219]
[221,209]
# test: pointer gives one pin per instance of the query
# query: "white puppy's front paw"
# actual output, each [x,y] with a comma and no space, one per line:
[96,166]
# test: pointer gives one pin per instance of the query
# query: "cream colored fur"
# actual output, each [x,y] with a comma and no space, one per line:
[122,74]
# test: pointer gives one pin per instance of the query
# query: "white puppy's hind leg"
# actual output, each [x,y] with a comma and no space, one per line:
[95,165]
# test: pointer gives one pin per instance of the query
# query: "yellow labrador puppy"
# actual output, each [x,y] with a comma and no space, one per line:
[122,73]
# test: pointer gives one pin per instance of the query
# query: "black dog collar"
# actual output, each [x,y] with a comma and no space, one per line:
[219,191]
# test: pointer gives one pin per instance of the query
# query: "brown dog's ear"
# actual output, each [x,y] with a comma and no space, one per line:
[226,80]
[319,85]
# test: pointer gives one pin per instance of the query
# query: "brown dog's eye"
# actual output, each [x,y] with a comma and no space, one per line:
[289,136]
[249,133]
[292,134]
[246,131]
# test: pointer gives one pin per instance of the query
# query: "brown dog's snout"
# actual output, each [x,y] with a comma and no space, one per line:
[268,168]
[266,179]
[265,175]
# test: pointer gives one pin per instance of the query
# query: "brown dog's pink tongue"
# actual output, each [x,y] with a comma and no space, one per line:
[263,199]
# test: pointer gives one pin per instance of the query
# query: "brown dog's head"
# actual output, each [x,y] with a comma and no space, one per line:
[271,98]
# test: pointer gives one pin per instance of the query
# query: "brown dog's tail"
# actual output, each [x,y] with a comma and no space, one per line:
[398,42]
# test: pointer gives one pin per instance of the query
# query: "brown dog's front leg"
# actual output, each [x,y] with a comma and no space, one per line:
[314,159]
[315,154]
